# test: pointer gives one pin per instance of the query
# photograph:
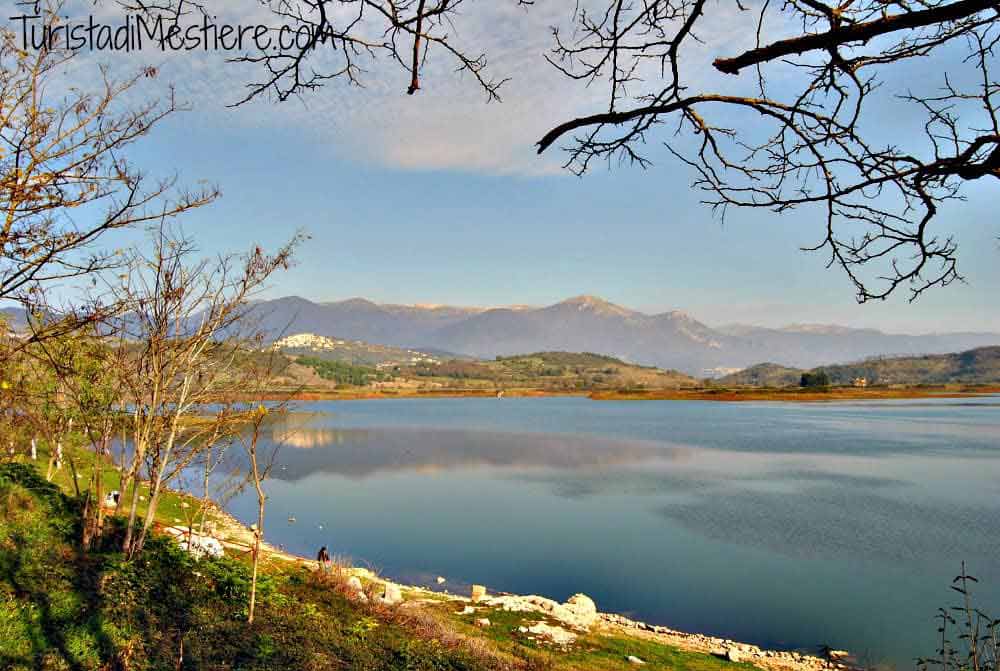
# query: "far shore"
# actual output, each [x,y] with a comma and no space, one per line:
[730,395]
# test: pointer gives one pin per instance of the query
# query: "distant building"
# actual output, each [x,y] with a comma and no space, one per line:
[860,382]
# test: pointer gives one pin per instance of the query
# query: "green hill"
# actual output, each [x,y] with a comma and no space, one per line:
[977,366]
[764,375]
[552,371]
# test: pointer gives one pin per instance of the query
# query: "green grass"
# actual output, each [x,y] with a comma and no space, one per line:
[62,609]
[592,652]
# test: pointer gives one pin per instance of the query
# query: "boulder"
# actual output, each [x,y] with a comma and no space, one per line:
[354,583]
[632,659]
[583,609]
[579,612]
[734,655]
[556,635]
[392,594]
[199,546]
[482,622]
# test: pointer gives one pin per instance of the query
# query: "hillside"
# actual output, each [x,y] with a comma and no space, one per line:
[671,340]
[550,371]
[764,375]
[541,371]
[355,352]
[976,366]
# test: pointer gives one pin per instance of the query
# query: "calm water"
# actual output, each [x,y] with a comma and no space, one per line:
[780,524]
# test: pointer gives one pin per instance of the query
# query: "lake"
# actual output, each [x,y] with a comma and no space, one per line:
[785,525]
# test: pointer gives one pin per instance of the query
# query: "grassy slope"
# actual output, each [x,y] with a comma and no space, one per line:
[60,609]
[978,366]
[541,372]
[548,371]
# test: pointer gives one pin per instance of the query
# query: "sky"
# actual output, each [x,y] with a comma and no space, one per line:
[440,198]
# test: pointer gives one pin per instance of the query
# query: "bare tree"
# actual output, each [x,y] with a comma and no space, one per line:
[258,407]
[340,40]
[790,128]
[88,368]
[65,179]
[805,141]
[188,320]
[259,465]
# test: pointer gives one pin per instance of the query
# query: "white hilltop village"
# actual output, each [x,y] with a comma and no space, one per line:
[317,343]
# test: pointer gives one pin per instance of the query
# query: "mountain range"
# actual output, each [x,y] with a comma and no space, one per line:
[671,339]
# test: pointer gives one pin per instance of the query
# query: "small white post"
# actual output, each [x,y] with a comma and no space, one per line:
[34,450]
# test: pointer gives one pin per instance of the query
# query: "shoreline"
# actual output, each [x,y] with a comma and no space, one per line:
[723,395]
[239,539]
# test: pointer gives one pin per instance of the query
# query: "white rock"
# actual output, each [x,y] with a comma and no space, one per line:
[734,655]
[483,622]
[354,582]
[579,612]
[392,594]
[201,546]
[468,610]
[632,659]
[583,607]
[557,635]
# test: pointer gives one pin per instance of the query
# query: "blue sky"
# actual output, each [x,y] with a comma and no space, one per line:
[438,198]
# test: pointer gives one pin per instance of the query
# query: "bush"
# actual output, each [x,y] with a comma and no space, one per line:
[817,378]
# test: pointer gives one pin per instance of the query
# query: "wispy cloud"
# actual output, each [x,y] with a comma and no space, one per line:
[448,125]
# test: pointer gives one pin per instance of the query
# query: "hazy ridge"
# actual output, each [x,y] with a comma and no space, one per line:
[589,324]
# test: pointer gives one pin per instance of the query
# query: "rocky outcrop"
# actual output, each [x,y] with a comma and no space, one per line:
[579,612]
[583,609]
[551,633]
[392,595]
[732,651]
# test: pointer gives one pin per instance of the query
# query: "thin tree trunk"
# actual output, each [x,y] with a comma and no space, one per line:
[261,502]
[205,499]
[256,559]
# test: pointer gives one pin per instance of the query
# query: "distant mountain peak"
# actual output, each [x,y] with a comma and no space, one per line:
[588,323]
[594,304]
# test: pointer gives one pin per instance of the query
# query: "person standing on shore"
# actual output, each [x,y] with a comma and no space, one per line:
[323,558]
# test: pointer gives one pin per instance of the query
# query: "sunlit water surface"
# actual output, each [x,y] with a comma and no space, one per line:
[786,525]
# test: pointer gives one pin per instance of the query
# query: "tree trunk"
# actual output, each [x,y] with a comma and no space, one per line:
[256,548]
[261,502]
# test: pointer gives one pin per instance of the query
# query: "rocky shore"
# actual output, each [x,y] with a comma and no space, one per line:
[547,621]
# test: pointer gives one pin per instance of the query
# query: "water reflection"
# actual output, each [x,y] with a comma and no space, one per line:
[360,453]
[777,524]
